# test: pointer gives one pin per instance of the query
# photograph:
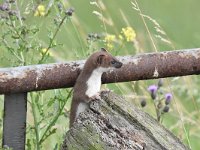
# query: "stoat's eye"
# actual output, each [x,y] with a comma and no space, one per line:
[113,62]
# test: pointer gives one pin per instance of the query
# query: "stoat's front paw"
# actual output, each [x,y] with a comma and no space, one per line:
[96,97]
[105,91]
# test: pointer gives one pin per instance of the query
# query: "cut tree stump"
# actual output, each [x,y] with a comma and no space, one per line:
[113,123]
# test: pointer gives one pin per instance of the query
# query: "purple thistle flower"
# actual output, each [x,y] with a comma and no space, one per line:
[153,89]
[168,98]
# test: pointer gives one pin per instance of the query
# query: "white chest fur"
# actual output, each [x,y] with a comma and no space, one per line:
[94,81]
[93,87]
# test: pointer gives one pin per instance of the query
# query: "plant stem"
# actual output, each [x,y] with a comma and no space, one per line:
[148,31]
[13,28]
[157,112]
[35,122]
[11,50]
[54,119]
[51,40]
[79,38]
[18,13]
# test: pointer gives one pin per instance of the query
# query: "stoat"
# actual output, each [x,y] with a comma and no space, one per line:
[88,83]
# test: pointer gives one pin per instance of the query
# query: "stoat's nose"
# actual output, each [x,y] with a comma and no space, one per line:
[118,65]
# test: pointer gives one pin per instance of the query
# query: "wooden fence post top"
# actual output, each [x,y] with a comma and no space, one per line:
[114,123]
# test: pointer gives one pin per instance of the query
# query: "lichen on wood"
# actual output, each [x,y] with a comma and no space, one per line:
[113,123]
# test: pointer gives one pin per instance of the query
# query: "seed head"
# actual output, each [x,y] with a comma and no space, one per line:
[69,11]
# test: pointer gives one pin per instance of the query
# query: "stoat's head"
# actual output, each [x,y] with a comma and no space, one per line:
[104,59]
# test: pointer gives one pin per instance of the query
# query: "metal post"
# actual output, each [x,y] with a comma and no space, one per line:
[14,123]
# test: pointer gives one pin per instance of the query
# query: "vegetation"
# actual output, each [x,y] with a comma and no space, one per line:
[36,32]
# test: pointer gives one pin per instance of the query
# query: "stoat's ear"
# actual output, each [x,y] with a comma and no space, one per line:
[100,59]
[103,49]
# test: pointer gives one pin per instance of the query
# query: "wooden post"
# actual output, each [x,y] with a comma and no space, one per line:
[14,123]
[113,123]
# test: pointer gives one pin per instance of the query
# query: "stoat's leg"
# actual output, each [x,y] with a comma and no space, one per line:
[95,97]
[98,95]
[106,90]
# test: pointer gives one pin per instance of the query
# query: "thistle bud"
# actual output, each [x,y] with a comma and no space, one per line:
[143,103]
[69,12]
[160,83]
[166,109]
[168,98]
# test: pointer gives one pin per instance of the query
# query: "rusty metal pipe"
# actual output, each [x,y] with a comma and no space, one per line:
[63,75]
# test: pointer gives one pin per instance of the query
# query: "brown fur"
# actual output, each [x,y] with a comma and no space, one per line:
[98,59]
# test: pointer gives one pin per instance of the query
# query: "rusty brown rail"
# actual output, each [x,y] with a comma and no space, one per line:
[140,67]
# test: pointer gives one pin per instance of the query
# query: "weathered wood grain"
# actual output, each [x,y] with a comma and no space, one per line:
[115,124]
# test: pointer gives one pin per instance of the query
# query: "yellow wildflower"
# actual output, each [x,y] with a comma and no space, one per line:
[43,51]
[40,11]
[128,33]
[121,37]
[109,39]
[109,46]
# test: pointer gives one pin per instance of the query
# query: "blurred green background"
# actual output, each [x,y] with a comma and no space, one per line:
[179,19]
